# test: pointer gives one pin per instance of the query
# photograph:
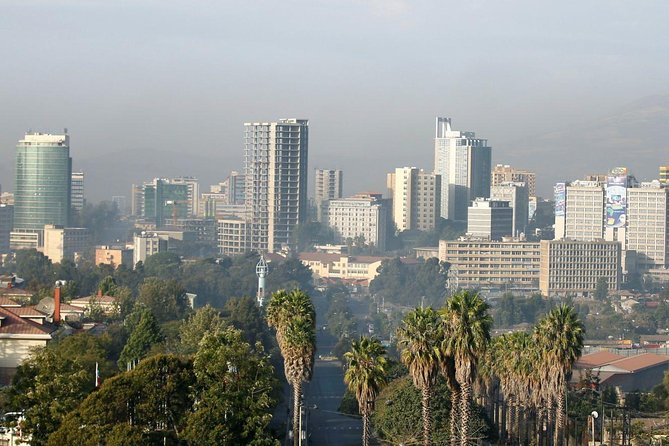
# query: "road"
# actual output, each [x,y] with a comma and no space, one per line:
[327,426]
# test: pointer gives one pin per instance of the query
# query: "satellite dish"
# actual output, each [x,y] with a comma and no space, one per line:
[46,306]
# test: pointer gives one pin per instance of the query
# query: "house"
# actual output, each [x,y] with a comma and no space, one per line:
[108,304]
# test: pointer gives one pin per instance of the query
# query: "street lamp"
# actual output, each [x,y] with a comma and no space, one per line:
[594,416]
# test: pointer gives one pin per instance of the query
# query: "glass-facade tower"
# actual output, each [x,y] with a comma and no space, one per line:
[43,182]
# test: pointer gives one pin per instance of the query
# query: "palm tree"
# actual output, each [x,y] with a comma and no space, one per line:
[365,376]
[294,318]
[468,327]
[559,336]
[420,337]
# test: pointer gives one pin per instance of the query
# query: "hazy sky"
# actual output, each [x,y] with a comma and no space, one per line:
[371,75]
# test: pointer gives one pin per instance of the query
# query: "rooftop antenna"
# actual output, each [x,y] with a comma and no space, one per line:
[261,272]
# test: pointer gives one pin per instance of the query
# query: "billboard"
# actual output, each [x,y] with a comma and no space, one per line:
[616,199]
[560,194]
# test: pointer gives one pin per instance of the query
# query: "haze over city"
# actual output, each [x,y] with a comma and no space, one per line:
[149,88]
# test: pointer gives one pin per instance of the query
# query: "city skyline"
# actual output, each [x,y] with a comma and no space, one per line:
[532,77]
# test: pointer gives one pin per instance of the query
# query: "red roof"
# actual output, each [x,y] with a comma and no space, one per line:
[99,299]
[7,302]
[16,325]
[637,363]
[27,312]
[597,359]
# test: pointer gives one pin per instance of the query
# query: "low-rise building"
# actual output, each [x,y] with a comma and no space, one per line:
[64,243]
[495,265]
[108,304]
[575,267]
[361,269]
[489,219]
[234,236]
[114,256]
[145,245]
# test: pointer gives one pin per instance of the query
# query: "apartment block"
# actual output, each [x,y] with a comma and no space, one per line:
[647,230]
[516,193]
[65,243]
[114,256]
[146,245]
[363,215]
[233,236]
[489,219]
[571,267]
[504,173]
[416,198]
[495,265]
[329,185]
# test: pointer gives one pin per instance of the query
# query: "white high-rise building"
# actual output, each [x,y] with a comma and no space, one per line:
[329,185]
[647,225]
[517,195]
[464,162]
[579,213]
[77,191]
[416,197]
[276,157]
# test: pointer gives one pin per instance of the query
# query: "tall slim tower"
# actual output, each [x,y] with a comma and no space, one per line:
[463,161]
[77,191]
[275,168]
[43,186]
[329,184]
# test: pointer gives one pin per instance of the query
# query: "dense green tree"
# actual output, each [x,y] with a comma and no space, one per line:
[602,289]
[54,380]
[99,219]
[144,334]
[404,284]
[164,265]
[339,317]
[145,406]
[306,235]
[203,321]
[243,313]
[35,268]
[366,368]
[419,339]
[165,298]
[291,273]
[234,382]
[468,327]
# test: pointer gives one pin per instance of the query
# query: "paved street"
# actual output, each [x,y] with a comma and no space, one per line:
[326,425]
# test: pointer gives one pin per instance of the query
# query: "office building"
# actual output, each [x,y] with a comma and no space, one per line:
[146,245]
[192,194]
[233,236]
[416,198]
[65,243]
[77,191]
[579,210]
[509,265]
[162,202]
[517,196]
[503,173]
[489,219]
[329,185]
[275,169]
[571,267]
[114,256]
[42,193]
[647,225]
[362,215]
[463,162]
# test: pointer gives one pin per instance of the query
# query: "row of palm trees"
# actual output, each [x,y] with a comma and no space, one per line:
[530,369]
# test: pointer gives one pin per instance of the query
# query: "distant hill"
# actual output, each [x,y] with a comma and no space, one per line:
[635,136]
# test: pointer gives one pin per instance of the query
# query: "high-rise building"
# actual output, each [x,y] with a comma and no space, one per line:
[329,186]
[579,210]
[77,191]
[489,219]
[648,226]
[517,196]
[236,188]
[42,193]
[362,215]
[504,173]
[463,161]
[193,193]
[6,225]
[275,168]
[416,198]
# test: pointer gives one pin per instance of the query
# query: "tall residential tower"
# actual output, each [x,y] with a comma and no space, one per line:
[329,185]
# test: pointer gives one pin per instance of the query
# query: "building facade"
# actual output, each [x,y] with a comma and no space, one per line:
[114,256]
[494,265]
[489,219]
[42,194]
[571,267]
[503,173]
[77,191]
[463,162]
[329,185]
[519,200]
[581,215]
[363,215]
[6,225]
[416,198]
[275,168]
[647,227]
[145,245]
[65,243]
